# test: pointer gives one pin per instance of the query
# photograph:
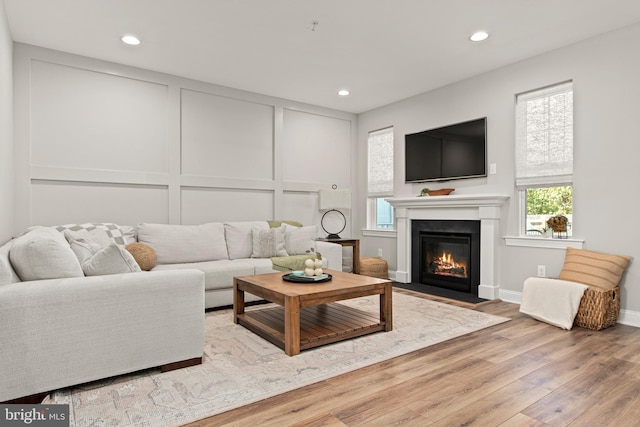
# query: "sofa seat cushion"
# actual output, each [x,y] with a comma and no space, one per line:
[43,253]
[176,244]
[260,265]
[217,274]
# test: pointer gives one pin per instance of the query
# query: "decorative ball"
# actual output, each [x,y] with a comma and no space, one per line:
[144,255]
[309,263]
[317,263]
[309,271]
[317,272]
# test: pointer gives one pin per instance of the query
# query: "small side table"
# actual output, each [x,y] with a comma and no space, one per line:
[355,247]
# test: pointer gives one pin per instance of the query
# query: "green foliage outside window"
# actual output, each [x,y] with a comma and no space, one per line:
[550,201]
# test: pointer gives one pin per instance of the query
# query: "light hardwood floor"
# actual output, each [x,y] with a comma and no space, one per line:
[519,373]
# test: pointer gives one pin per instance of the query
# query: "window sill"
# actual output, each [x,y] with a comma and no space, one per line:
[379,233]
[543,242]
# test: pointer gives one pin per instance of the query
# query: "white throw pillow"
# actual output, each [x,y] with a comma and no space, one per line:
[177,244]
[113,259]
[43,253]
[300,240]
[84,245]
[268,243]
[239,237]
[7,273]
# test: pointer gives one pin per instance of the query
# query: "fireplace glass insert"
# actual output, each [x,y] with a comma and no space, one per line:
[446,254]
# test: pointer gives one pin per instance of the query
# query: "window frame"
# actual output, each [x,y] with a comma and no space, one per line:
[539,180]
[374,196]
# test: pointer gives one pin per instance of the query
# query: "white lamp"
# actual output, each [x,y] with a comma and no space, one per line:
[331,201]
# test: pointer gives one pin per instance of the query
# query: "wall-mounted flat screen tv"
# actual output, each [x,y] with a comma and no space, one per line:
[450,152]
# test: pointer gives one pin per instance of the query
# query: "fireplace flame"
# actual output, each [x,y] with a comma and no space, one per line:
[447,265]
[447,260]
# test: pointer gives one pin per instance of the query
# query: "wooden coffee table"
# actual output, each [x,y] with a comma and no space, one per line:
[308,315]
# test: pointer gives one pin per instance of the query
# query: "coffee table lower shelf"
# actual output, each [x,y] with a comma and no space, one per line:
[319,324]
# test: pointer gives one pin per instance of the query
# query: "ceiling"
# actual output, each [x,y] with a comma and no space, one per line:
[382,51]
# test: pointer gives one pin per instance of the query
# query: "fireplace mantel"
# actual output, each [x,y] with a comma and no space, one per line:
[486,208]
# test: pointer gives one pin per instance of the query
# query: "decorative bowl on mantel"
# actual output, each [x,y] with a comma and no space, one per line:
[440,192]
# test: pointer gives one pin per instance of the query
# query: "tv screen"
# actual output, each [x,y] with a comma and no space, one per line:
[450,152]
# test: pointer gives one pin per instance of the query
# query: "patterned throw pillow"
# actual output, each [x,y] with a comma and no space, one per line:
[105,232]
[268,243]
[592,268]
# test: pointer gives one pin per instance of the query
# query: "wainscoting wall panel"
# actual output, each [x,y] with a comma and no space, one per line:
[316,143]
[225,137]
[91,120]
[99,141]
[57,202]
[200,205]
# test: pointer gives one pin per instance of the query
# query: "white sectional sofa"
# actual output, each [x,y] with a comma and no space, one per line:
[225,250]
[74,307]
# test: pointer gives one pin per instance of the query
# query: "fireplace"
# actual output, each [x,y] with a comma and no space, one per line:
[446,254]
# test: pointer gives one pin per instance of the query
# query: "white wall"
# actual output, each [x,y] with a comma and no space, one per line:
[6,128]
[607,130]
[98,141]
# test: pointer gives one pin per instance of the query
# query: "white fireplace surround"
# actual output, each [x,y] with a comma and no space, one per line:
[486,208]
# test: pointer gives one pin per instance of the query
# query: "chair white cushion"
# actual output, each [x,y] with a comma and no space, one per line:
[185,243]
[43,253]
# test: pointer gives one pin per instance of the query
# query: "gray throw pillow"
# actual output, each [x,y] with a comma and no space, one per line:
[113,259]
[268,243]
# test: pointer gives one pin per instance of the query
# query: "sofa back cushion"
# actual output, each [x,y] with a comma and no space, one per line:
[185,243]
[7,274]
[43,253]
[240,238]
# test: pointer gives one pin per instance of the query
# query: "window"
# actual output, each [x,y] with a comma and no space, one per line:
[380,179]
[544,156]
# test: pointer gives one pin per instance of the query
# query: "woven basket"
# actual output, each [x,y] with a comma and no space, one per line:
[374,267]
[599,308]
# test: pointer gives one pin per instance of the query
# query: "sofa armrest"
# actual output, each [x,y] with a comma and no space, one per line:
[332,253]
[70,331]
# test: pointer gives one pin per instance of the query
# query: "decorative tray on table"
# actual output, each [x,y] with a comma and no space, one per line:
[299,277]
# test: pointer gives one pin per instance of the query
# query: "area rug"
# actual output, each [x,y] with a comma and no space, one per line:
[240,367]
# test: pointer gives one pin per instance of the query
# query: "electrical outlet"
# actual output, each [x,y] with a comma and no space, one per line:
[542,271]
[380,252]
[492,169]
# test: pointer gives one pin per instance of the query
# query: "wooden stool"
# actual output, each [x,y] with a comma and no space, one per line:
[374,267]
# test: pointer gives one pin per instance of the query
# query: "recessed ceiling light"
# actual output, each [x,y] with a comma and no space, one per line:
[343,92]
[479,36]
[132,40]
